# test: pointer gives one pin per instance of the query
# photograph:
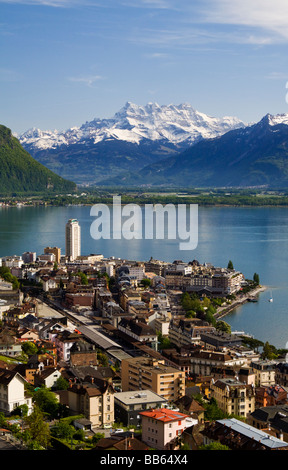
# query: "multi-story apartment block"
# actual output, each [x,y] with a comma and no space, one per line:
[264,372]
[29,257]
[94,399]
[217,281]
[203,362]
[233,397]
[188,331]
[142,373]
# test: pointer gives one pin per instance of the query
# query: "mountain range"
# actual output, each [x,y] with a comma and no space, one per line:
[136,136]
[254,156]
[167,146]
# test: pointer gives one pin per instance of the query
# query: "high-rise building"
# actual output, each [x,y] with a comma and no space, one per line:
[73,239]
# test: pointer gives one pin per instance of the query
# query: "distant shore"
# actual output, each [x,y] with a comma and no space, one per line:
[240,300]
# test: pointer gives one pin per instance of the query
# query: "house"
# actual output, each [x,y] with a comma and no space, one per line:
[128,295]
[64,341]
[204,361]
[162,428]
[139,331]
[188,331]
[281,374]
[25,334]
[120,443]
[83,353]
[93,398]
[47,377]
[233,396]
[219,339]
[264,372]
[269,396]
[127,405]
[35,365]
[273,417]
[12,391]
[190,406]
[238,435]
[9,346]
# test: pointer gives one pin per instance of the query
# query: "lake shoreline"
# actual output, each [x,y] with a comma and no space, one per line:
[239,301]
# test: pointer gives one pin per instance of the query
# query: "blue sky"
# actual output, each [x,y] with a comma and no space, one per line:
[65,62]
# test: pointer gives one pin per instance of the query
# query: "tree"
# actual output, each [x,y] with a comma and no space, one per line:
[164,342]
[223,326]
[146,283]
[213,412]
[83,277]
[269,351]
[37,435]
[256,279]
[21,410]
[97,436]
[61,384]
[47,402]
[63,430]
[230,265]
[29,348]
[214,446]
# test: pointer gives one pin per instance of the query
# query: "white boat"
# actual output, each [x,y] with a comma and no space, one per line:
[271,298]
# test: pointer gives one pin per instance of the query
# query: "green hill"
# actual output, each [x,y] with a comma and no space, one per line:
[20,173]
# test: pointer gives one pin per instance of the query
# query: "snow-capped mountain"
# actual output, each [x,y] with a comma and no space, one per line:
[134,137]
[133,123]
[254,156]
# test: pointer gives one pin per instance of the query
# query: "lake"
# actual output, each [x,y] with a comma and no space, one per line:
[255,239]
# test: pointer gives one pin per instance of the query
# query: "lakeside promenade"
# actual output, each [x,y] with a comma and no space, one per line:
[240,300]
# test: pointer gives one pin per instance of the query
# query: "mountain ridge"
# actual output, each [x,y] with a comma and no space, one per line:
[176,123]
[133,137]
[256,155]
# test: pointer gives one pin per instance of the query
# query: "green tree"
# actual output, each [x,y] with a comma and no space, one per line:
[213,412]
[21,410]
[37,435]
[61,384]
[63,430]
[146,283]
[223,326]
[97,436]
[29,348]
[214,446]
[256,279]
[83,277]
[47,402]
[230,265]
[79,435]
[269,351]
[165,342]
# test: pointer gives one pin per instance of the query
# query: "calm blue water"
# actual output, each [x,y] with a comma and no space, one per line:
[255,239]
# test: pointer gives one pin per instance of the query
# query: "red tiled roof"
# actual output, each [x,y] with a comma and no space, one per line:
[164,415]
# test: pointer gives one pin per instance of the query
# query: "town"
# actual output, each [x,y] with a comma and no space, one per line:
[116,354]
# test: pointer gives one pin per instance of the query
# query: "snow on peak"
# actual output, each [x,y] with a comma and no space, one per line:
[277,119]
[133,123]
